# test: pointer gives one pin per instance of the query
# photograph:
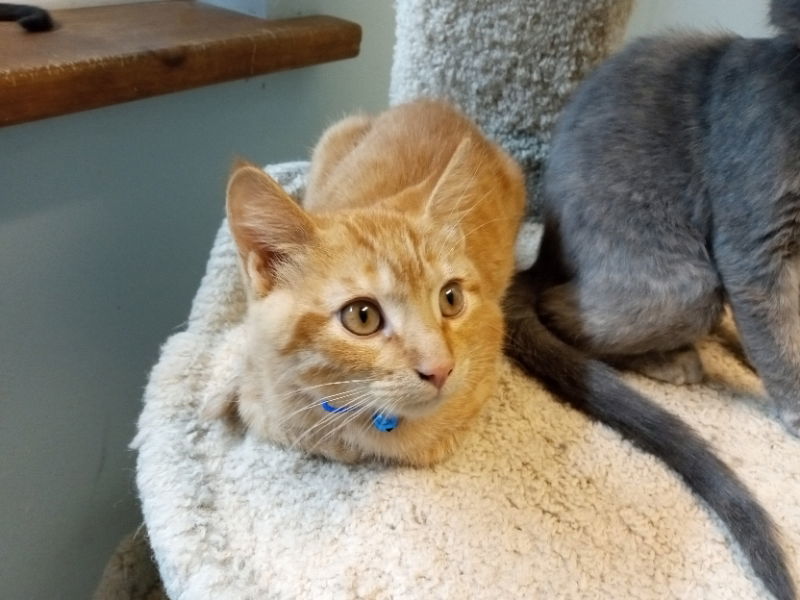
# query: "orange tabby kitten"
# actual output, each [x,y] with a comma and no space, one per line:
[374,328]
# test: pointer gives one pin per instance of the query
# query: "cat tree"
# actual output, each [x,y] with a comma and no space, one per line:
[539,502]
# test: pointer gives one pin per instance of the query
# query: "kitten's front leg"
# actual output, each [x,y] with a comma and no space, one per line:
[765,298]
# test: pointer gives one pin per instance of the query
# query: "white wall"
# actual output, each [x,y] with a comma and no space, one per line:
[106,219]
[745,17]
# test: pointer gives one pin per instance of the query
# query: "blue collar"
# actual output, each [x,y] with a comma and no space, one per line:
[380,421]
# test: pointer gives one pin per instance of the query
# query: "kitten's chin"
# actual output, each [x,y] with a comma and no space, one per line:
[421,408]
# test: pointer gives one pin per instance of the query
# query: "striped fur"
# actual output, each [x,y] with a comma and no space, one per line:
[397,206]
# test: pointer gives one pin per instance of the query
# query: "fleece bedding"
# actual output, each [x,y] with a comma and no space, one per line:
[539,502]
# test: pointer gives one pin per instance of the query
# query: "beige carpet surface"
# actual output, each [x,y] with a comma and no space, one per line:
[538,503]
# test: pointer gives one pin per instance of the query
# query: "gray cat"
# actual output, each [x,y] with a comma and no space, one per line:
[673,187]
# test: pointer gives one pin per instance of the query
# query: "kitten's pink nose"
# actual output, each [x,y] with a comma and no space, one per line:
[437,374]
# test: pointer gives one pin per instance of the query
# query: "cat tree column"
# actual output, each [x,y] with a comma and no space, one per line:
[509,65]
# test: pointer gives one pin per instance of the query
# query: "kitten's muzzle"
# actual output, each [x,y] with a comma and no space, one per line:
[437,374]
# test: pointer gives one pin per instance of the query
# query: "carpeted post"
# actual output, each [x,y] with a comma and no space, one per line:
[509,65]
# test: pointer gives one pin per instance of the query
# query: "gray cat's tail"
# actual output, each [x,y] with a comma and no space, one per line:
[597,390]
[785,15]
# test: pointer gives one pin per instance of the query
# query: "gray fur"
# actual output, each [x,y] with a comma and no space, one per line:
[673,187]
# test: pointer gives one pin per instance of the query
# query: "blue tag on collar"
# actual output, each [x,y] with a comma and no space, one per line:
[383,422]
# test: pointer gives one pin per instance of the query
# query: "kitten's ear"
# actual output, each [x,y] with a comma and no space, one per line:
[266,224]
[450,196]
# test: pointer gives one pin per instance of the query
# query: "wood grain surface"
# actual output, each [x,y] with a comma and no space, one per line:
[104,55]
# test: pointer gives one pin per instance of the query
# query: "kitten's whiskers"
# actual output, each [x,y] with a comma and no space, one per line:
[315,402]
[319,385]
[329,418]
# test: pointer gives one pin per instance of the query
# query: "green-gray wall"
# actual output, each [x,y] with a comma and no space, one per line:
[106,219]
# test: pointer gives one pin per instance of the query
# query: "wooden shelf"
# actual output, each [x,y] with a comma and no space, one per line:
[104,55]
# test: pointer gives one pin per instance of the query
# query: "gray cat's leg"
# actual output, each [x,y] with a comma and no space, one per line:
[644,327]
[764,293]
[631,323]
[680,366]
[727,336]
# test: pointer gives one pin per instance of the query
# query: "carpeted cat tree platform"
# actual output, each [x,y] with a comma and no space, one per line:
[539,502]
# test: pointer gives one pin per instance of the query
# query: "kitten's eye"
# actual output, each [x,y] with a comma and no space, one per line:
[451,299]
[361,317]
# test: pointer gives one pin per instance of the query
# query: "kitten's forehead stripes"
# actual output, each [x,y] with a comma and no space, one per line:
[409,263]
[359,231]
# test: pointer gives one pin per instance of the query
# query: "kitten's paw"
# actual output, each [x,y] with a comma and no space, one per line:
[679,367]
[791,420]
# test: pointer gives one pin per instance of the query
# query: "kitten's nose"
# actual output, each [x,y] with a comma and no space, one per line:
[437,374]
